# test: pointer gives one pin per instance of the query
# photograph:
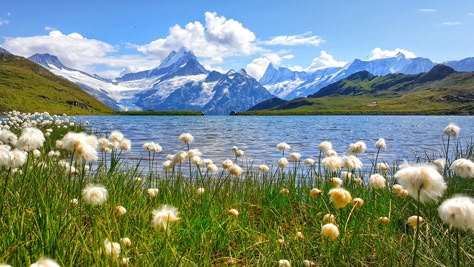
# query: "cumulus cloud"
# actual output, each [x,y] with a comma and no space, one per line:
[48,28]
[451,23]
[259,65]
[292,40]
[324,60]
[426,10]
[219,37]
[74,49]
[378,53]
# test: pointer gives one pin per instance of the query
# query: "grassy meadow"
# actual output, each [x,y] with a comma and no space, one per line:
[226,214]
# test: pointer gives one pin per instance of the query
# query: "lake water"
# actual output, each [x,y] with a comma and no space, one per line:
[258,136]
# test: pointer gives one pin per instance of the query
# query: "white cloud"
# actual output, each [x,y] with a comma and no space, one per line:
[73,49]
[324,60]
[471,14]
[289,56]
[378,53]
[292,40]
[48,28]
[4,22]
[76,51]
[451,23]
[218,38]
[427,10]
[259,65]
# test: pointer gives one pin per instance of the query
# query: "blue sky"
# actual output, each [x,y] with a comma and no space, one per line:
[114,37]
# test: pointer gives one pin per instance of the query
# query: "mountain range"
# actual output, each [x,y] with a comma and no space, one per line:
[287,84]
[441,90]
[180,82]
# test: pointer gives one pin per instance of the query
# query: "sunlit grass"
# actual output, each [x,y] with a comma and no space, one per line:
[188,214]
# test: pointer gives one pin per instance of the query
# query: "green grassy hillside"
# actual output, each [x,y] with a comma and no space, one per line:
[435,92]
[28,87]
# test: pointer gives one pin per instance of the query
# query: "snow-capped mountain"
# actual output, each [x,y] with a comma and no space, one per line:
[179,82]
[300,84]
[466,64]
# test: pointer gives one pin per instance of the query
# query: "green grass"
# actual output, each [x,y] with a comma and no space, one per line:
[38,219]
[27,87]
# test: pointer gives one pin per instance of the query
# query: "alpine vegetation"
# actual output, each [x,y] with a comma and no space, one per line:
[71,196]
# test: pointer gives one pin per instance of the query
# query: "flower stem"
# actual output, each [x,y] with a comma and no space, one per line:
[458,256]
[417,234]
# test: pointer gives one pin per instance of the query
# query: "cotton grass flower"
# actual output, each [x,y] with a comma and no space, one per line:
[168,165]
[45,262]
[120,210]
[152,147]
[463,168]
[384,220]
[4,156]
[358,181]
[380,144]
[212,168]
[126,242]
[330,153]
[383,167]
[358,202]
[283,147]
[125,144]
[330,230]
[423,182]
[285,191]
[332,163]
[152,192]
[299,235]
[200,191]
[309,162]
[440,164]
[7,137]
[125,261]
[235,170]
[458,212]
[397,189]
[340,197]
[336,181]
[74,202]
[284,263]
[315,192]
[30,138]
[414,220]
[377,181]
[226,164]
[164,216]
[295,156]
[263,168]
[283,163]
[325,146]
[233,212]
[357,147]
[452,130]
[17,158]
[351,162]
[112,249]
[94,194]
[329,218]
[308,263]
[186,138]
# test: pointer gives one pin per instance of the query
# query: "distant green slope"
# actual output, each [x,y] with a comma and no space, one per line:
[440,91]
[28,87]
